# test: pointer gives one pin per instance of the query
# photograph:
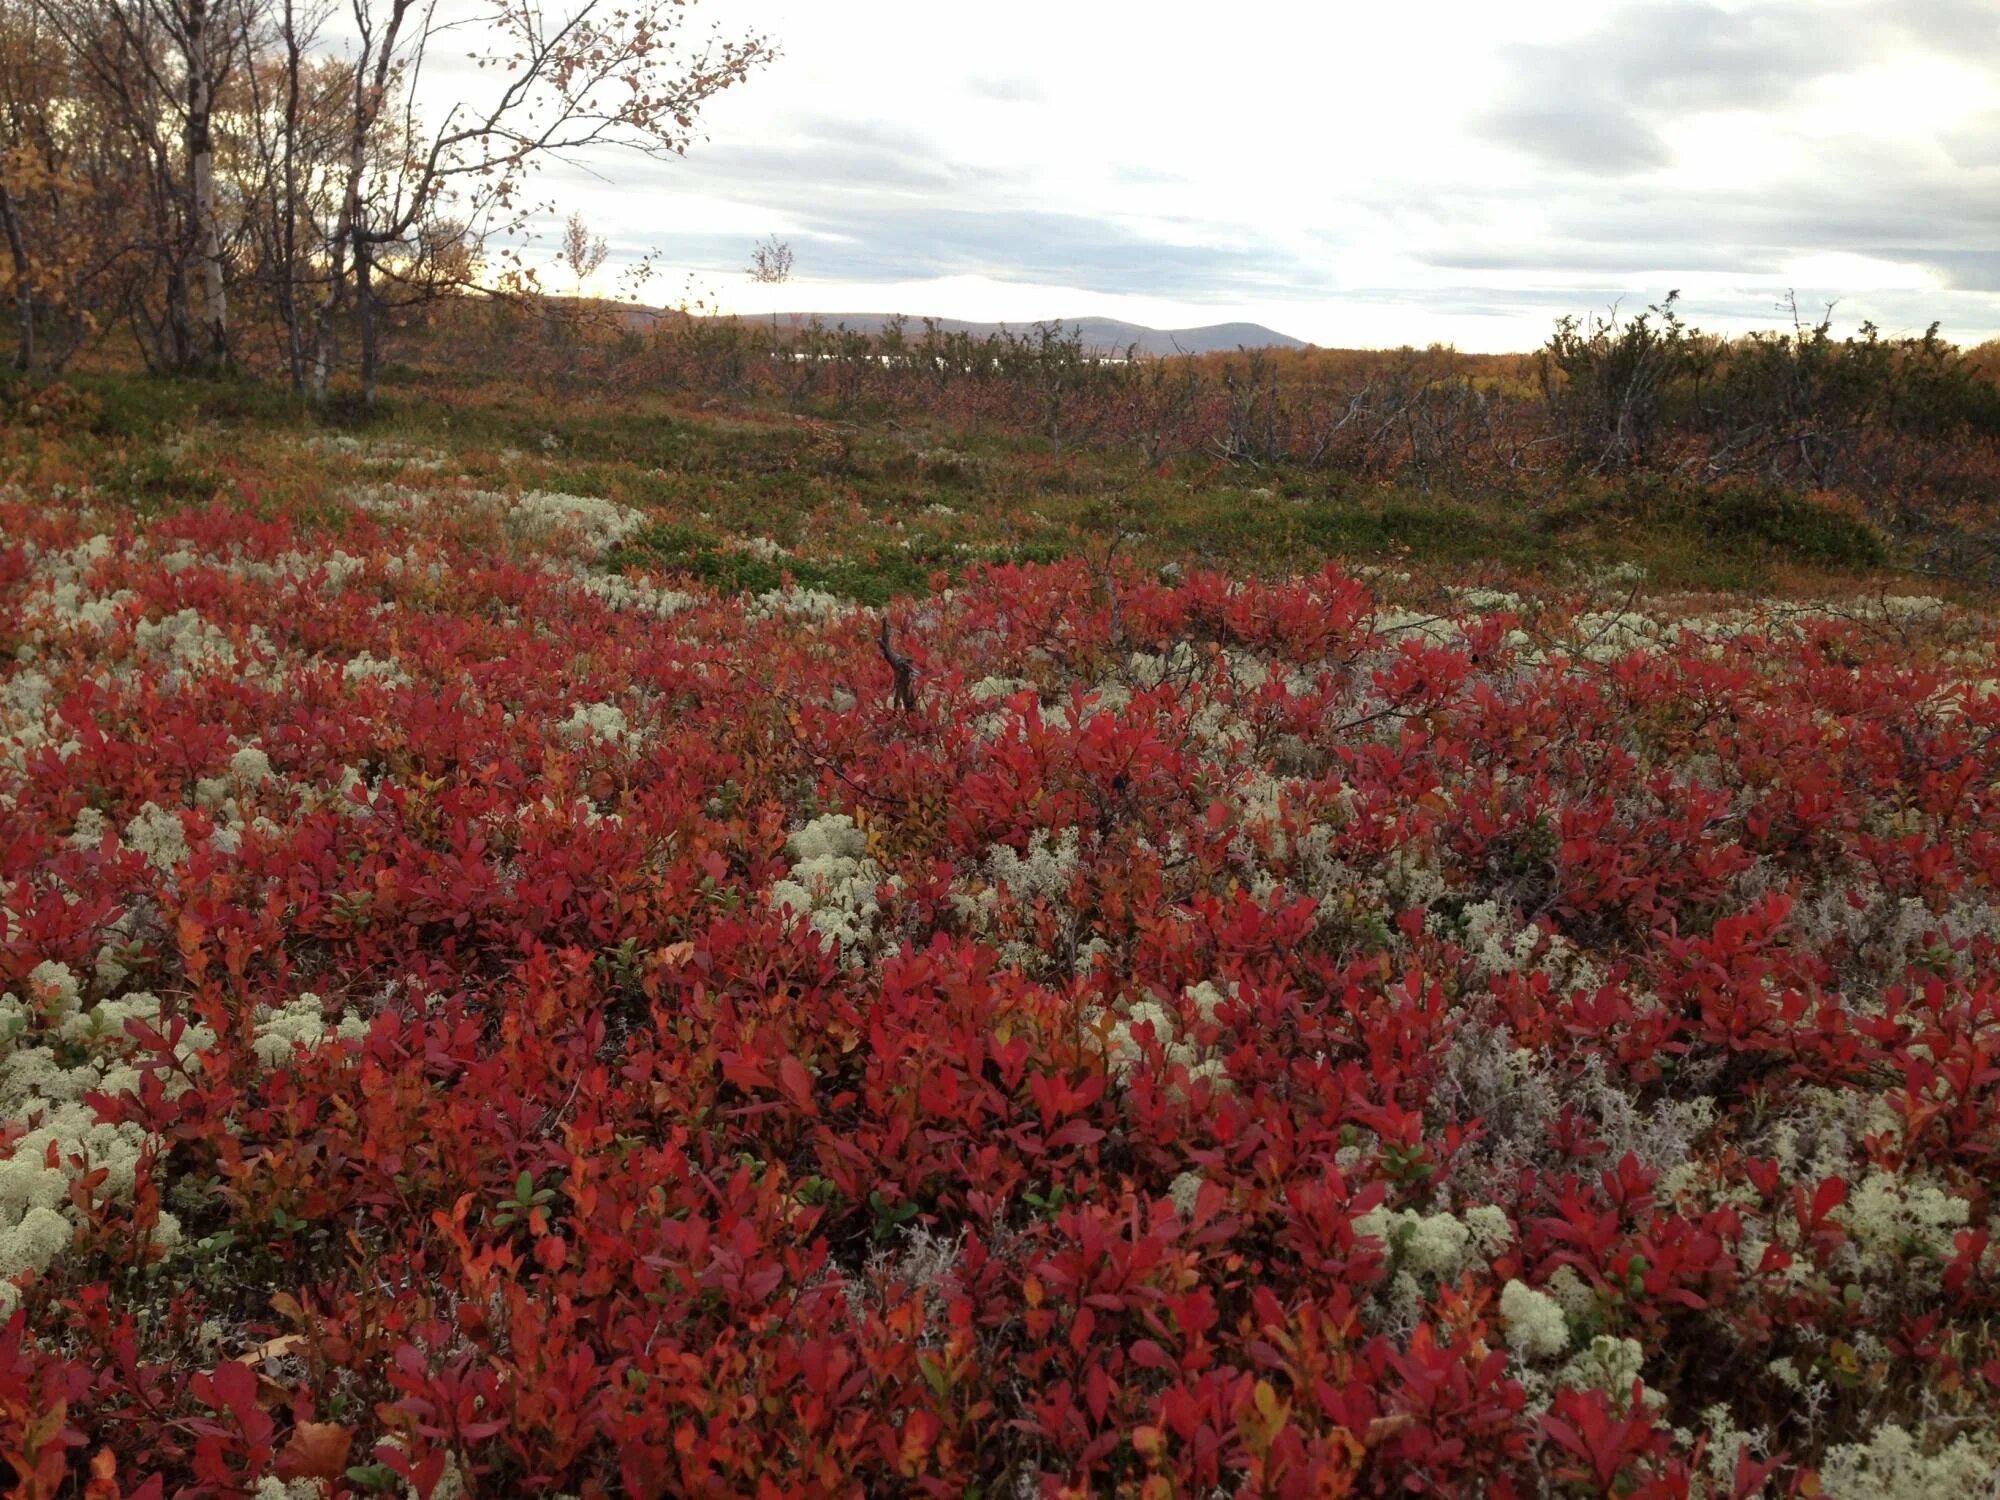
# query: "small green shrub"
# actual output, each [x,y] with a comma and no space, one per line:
[1791,524]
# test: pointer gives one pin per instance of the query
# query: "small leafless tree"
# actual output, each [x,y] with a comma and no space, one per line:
[588,76]
[293,98]
[583,253]
[771,262]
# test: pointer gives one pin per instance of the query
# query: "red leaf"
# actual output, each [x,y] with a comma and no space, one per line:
[1097,1393]
[797,1084]
[1077,1133]
[234,1388]
[1148,1355]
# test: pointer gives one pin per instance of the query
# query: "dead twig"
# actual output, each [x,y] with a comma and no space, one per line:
[904,693]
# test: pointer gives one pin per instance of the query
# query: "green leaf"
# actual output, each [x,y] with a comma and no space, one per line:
[934,1375]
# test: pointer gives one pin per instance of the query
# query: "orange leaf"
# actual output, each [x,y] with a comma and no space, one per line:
[1383,1428]
[315,1450]
[103,1476]
[277,1348]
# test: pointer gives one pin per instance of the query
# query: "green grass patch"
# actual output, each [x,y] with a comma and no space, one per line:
[873,579]
[1795,526]
[1725,538]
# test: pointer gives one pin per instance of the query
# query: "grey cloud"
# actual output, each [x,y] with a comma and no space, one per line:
[1963,270]
[1592,138]
[1976,143]
[831,156]
[875,204]
[1144,176]
[1857,196]
[1612,259]
[1005,88]
[898,242]
[1594,103]
[1686,55]
[1955,28]
[835,153]
[1854,195]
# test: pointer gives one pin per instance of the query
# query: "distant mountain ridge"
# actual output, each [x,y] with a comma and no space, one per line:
[1100,335]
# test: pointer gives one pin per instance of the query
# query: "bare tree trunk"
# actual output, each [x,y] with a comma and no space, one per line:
[364,306]
[180,323]
[348,233]
[288,296]
[201,179]
[24,294]
[323,323]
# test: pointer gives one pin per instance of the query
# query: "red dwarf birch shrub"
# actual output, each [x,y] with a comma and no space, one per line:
[480,1023]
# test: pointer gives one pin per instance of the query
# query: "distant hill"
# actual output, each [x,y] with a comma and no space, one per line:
[1100,335]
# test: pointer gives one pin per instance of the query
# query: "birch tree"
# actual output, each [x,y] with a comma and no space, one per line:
[545,84]
[156,69]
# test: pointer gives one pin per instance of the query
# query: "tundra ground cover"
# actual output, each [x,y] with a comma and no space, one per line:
[870,508]
[497,1005]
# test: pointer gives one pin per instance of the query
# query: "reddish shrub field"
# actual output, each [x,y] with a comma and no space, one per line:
[478,1023]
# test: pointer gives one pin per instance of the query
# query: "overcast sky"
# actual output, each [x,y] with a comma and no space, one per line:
[1352,174]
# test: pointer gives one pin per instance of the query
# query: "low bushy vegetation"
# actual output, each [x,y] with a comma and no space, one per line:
[1768,436]
[595,945]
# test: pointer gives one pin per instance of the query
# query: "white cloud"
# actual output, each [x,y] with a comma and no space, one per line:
[1861,273]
